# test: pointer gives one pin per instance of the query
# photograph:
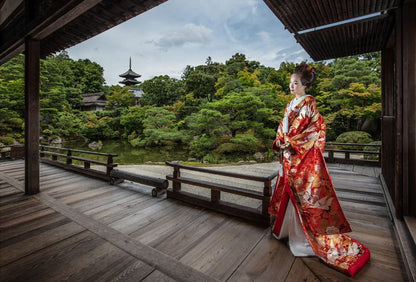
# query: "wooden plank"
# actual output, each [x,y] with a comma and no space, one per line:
[219,254]
[24,219]
[159,277]
[159,230]
[35,243]
[9,191]
[27,226]
[143,217]
[102,199]
[370,272]
[128,269]
[81,257]
[190,234]
[300,272]
[162,262]
[32,126]
[270,260]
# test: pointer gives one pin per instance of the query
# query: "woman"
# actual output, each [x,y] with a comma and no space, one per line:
[304,200]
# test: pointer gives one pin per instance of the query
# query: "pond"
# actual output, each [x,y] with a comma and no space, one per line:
[127,154]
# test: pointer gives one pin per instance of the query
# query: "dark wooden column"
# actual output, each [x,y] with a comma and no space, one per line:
[388,135]
[32,61]
[409,107]
[398,109]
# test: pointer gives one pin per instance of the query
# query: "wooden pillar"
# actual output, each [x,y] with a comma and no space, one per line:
[398,179]
[388,138]
[32,61]
[409,107]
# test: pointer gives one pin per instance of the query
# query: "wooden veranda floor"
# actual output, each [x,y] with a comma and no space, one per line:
[82,229]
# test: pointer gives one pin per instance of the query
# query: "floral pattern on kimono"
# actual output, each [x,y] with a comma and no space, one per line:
[306,182]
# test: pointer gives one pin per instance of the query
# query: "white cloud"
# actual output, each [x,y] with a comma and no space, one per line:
[189,34]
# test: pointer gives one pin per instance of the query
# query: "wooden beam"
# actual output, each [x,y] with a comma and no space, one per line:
[32,62]
[8,9]
[68,16]
[43,23]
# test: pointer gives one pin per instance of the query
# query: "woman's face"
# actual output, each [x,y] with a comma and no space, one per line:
[296,86]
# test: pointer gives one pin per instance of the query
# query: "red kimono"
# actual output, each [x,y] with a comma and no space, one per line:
[306,182]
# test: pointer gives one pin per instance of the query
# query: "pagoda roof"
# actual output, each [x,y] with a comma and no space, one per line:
[130,81]
[130,73]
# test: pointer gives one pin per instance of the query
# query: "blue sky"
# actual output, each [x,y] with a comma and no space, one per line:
[177,33]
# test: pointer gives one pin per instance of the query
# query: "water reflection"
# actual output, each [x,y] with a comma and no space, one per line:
[127,154]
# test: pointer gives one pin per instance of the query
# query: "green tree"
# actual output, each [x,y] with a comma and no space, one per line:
[160,128]
[119,97]
[161,90]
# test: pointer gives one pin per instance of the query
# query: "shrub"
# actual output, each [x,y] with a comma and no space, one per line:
[241,143]
[7,140]
[359,137]
[372,149]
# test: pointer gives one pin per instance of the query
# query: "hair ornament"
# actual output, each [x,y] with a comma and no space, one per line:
[309,68]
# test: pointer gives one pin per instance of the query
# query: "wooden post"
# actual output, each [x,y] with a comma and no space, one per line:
[331,156]
[32,62]
[109,162]
[215,197]
[68,158]
[408,107]
[176,174]
[267,191]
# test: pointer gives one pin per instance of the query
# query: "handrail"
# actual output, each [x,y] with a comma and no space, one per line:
[353,144]
[331,158]
[16,151]
[68,157]
[79,151]
[224,173]
[215,202]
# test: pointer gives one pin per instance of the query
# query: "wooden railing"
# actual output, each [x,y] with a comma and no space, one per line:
[69,158]
[215,202]
[12,152]
[357,157]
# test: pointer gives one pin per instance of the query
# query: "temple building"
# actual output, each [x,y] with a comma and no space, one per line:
[130,77]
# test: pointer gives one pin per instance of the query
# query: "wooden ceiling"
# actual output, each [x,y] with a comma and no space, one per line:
[61,24]
[308,19]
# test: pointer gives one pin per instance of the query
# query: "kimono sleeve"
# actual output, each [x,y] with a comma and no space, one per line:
[309,127]
[279,135]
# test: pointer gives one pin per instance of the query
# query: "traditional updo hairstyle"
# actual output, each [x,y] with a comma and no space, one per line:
[306,73]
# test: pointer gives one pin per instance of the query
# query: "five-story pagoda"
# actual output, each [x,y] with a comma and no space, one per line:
[130,77]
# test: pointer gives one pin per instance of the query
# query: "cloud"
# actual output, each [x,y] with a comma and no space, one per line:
[189,34]
[177,33]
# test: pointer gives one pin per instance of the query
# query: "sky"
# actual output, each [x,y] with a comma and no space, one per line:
[177,33]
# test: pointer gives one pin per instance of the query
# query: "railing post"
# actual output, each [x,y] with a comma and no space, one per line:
[347,155]
[379,156]
[215,197]
[176,175]
[87,165]
[68,158]
[331,156]
[267,191]
[109,164]
[41,154]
